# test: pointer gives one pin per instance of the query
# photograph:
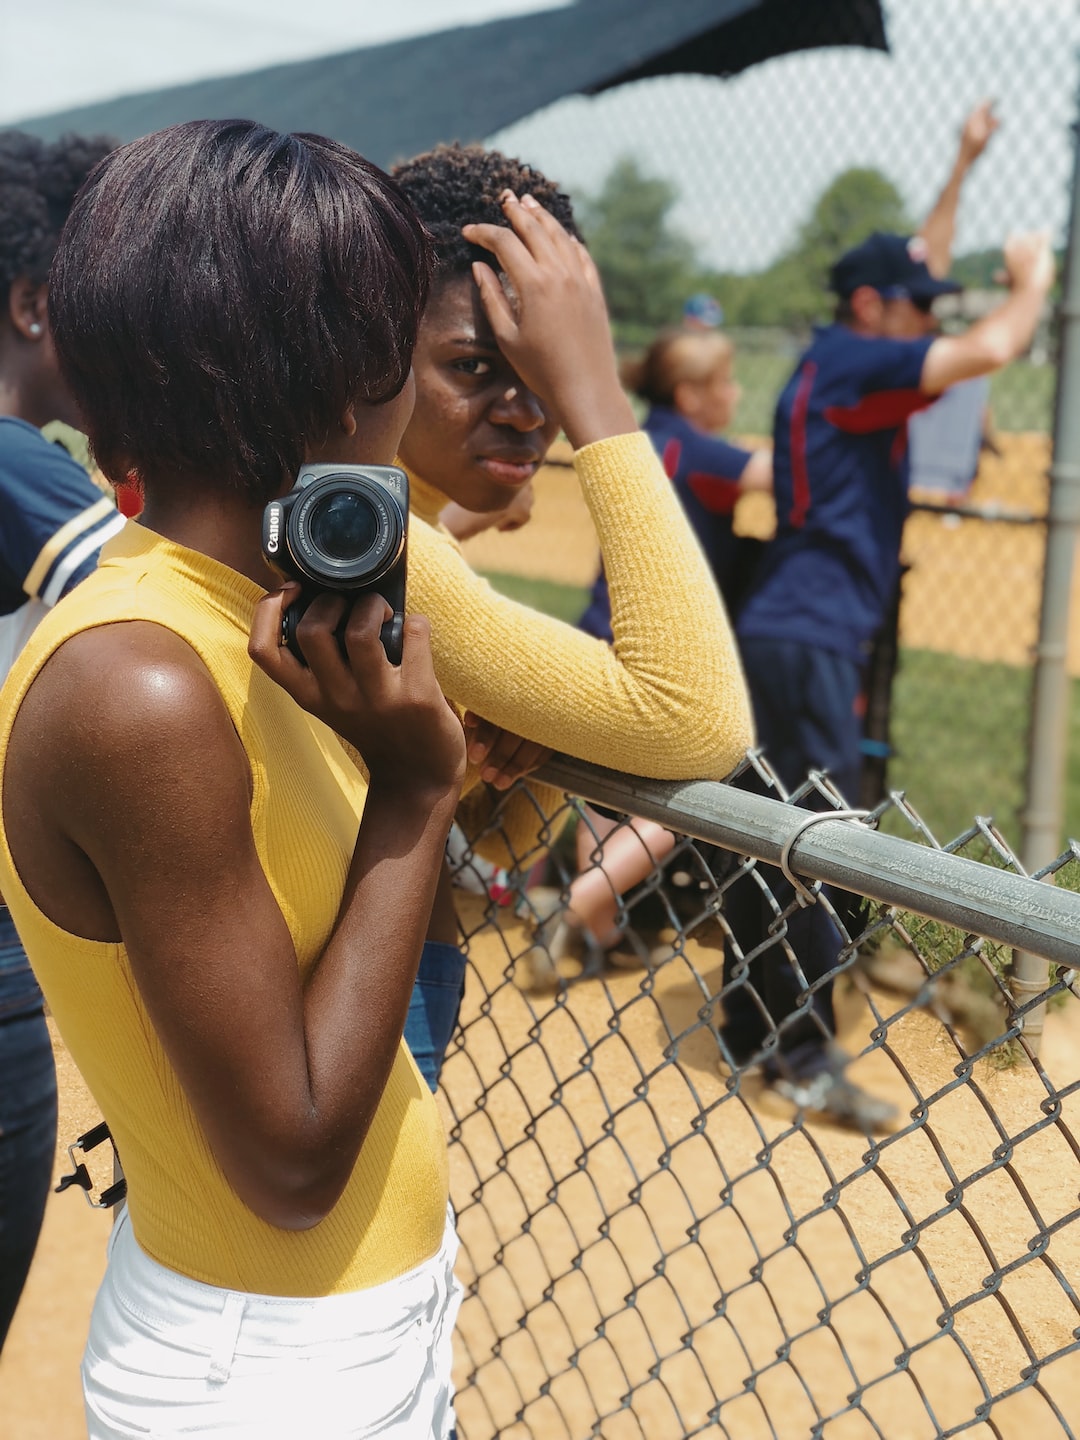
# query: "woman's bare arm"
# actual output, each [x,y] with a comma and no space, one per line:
[148,782]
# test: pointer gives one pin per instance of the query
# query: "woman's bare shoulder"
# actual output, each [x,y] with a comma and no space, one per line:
[110,703]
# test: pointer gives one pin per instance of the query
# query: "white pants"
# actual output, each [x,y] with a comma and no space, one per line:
[167,1356]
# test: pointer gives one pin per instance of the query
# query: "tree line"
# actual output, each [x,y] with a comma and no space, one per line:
[650,269]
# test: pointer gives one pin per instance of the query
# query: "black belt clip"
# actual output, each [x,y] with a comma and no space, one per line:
[112,1194]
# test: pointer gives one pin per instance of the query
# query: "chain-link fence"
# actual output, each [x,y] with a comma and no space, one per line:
[658,1241]
[747,188]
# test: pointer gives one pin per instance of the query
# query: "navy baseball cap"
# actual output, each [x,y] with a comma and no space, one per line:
[893,265]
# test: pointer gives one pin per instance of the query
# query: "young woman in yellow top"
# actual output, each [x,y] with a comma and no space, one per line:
[226,946]
[666,699]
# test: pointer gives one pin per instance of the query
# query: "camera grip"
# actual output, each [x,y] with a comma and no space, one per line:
[391,633]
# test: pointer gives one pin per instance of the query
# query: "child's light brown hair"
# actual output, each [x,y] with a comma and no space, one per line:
[675,356]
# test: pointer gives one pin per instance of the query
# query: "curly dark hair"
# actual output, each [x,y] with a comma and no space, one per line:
[222,292]
[38,183]
[456,185]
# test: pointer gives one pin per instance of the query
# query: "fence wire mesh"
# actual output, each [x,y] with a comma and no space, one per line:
[747,188]
[656,1242]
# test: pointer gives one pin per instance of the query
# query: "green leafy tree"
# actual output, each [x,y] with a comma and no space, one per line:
[794,290]
[857,203]
[648,268]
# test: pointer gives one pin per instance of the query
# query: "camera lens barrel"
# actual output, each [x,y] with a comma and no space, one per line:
[343,528]
[344,532]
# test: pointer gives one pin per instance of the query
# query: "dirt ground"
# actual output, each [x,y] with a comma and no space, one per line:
[580,1183]
[973,588]
[634,1211]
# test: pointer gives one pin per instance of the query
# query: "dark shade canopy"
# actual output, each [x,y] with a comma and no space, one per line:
[393,100]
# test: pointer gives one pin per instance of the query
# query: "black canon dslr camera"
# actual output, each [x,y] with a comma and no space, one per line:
[344,528]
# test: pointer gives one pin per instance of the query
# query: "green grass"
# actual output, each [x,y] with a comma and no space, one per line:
[565,602]
[762,377]
[959,733]
[959,729]
[1022,397]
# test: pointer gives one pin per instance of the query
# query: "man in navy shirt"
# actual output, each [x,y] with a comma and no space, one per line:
[840,480]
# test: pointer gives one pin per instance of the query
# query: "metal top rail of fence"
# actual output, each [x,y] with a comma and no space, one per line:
[656,1243]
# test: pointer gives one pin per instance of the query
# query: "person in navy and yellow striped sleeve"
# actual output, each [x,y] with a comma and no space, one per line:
[53,522]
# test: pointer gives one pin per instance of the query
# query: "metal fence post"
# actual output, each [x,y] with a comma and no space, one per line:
[1044,792]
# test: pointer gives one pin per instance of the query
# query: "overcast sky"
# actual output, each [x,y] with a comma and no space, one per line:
[748,155]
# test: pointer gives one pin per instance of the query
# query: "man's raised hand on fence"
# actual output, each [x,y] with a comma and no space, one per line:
[939,228]
[1029,262]
[977,131]
[1004,334]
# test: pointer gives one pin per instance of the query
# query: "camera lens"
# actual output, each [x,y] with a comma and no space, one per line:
[343,525]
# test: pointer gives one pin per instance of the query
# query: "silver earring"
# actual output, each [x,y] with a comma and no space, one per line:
[35,328]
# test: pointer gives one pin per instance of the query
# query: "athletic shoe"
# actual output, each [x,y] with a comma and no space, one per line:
[832,1094]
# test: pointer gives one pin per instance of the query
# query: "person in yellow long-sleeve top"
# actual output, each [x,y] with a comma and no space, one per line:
[666,699]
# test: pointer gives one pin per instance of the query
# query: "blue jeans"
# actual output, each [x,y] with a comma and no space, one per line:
[27,1118]
[434,1006]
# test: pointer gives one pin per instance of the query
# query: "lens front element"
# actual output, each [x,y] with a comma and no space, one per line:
[346,531]
[343,525]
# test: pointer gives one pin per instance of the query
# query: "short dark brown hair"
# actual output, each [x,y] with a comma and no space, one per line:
[221,294]
[37,185]
[456,185]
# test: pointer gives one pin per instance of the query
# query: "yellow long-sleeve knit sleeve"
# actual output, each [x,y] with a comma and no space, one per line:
[667,699]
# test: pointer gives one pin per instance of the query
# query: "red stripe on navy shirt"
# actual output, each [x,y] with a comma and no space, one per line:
[800,475]
[716,494]
[883,410]
[671,456]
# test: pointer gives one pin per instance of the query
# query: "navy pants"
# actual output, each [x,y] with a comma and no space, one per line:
[27,1118]
[805,708]
[434,1006]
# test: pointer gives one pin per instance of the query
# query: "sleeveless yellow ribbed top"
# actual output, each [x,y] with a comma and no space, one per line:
[306,805]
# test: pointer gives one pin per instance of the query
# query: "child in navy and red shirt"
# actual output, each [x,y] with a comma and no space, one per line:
[686,376]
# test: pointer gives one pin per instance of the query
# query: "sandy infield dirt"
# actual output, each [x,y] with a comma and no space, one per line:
[655,1170]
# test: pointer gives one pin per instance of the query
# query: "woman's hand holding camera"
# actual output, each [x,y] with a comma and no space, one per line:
[551,321]
[396,716]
